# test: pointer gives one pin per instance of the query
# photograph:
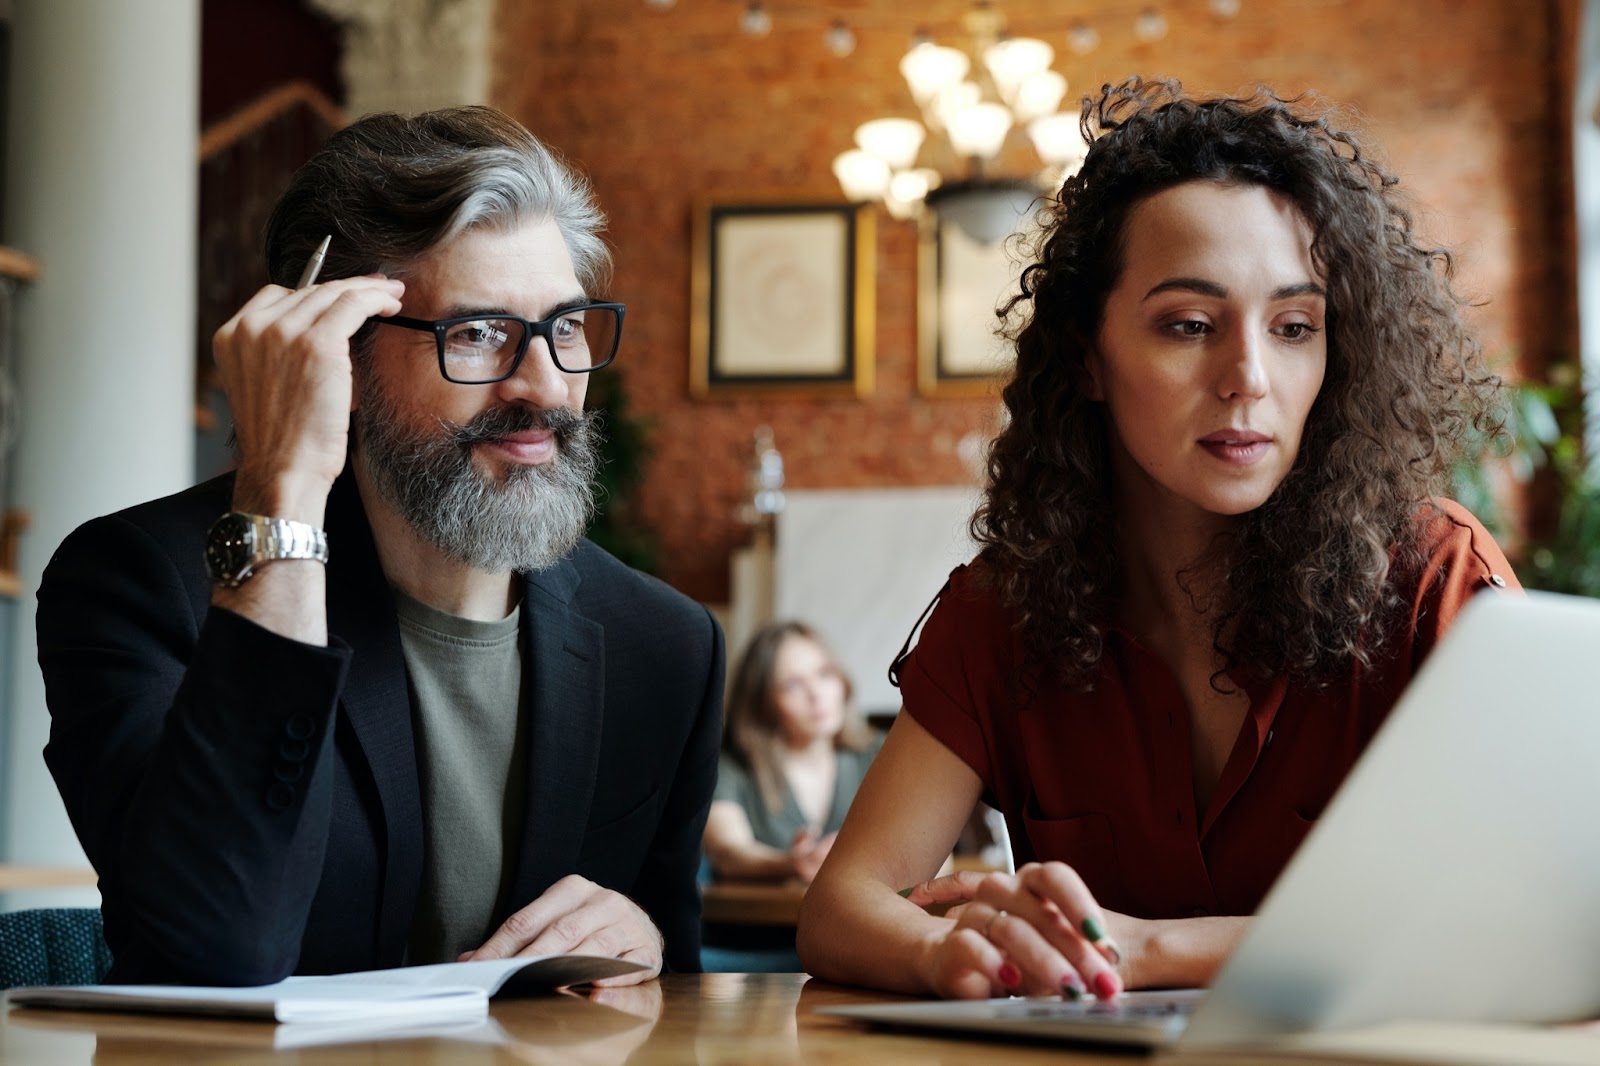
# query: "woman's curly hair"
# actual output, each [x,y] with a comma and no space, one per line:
[1310,578]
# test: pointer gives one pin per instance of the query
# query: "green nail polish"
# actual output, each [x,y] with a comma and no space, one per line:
[906,892]
[1092,931]
[1072,992]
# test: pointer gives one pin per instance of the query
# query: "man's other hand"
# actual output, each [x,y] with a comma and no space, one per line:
[578,917]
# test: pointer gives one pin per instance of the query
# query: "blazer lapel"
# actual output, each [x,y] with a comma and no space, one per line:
[564,693]
[377,705]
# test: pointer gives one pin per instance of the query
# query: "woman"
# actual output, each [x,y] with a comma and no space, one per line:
[1212,553]
[794,752]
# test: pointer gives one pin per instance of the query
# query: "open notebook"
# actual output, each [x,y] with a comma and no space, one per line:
[1454,877]
[414,995]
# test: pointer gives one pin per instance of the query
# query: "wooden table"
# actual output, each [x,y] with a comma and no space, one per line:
[764,903]
[710,1020]
[752,903]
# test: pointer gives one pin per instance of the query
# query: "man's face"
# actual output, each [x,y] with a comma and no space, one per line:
[497,476]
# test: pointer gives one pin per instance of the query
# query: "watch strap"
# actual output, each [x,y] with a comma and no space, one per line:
[239,544]
[285,538]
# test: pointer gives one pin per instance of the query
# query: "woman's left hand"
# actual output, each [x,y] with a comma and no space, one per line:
[1025,915]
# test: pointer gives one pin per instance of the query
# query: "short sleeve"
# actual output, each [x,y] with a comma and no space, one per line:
[1462,560]
[963,655]
[734,785]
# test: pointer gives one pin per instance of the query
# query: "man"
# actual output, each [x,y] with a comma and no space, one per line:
[390,707]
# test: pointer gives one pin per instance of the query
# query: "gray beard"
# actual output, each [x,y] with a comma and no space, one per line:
[531,521]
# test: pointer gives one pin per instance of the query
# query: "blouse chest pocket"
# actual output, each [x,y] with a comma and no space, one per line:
[1084,842]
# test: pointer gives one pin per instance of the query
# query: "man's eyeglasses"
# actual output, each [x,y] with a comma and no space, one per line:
[482,349]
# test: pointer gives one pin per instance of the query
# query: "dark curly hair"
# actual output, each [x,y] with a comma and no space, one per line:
[1309,580]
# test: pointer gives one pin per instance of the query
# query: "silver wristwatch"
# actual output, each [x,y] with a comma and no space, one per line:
[239,544]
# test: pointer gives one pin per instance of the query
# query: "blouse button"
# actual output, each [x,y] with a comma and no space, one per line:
[1200,912]
[1497,581]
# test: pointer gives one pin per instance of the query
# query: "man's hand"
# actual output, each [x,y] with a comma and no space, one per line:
[577,916]
[284,362]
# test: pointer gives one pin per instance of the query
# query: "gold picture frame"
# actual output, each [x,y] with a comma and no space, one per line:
[782,299]
[961,283]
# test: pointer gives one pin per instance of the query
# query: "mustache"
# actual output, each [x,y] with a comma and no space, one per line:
[498,422]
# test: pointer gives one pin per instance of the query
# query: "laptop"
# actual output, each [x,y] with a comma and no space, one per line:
[1455,875]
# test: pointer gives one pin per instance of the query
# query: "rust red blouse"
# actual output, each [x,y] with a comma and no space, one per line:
[1102,780]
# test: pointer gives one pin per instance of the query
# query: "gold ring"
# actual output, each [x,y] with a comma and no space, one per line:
[995,917]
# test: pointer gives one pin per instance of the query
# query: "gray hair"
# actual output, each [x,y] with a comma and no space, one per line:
[390,187]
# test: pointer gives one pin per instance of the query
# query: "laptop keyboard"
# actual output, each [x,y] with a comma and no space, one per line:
[1145,1010]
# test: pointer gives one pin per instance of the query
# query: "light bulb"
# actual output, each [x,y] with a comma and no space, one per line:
[862,175]
[893,140]
[1058,138]
[979,130]
[929,67]
[1015,59]
[1225,9]
[1083,39]
[908,186]
[1039,94]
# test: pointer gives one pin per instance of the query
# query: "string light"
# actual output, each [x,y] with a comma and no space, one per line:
[1082,38]
[1150,26]
[755,22]
[840,39]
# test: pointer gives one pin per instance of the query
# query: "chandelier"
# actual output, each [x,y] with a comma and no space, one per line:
[969,104]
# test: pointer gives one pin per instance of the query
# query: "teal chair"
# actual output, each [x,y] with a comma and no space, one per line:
[715,959]
[53,946]
[743,950]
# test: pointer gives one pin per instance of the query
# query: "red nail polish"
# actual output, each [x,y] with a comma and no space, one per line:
[1010,976]
[1105,986]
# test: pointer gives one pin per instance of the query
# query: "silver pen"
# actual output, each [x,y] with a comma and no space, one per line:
[314,265]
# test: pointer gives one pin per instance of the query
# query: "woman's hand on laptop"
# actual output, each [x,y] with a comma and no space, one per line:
[1036,932]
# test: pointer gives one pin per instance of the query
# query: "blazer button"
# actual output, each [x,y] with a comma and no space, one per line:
[300,726]
[294,750]
[279,796]
[288,771]
[1199,912]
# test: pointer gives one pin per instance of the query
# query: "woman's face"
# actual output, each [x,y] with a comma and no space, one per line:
[1212,348]
[807,691]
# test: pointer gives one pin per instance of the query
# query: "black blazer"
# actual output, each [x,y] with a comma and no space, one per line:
[251,802]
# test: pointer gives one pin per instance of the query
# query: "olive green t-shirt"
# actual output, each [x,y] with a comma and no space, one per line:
[466,685]
[777,828]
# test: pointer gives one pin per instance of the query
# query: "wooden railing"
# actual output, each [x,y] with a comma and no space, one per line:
[246,161]
[294,96]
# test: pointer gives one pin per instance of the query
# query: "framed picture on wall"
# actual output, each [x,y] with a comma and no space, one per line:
[782,299]
[961,283]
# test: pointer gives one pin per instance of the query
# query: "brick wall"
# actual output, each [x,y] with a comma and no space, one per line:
[665,106]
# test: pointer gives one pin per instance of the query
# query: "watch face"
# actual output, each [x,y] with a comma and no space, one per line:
[229,546]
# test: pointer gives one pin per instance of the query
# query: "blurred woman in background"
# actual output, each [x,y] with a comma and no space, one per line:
[794,752]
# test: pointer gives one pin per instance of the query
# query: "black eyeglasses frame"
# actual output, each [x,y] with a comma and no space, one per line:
[530,328]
